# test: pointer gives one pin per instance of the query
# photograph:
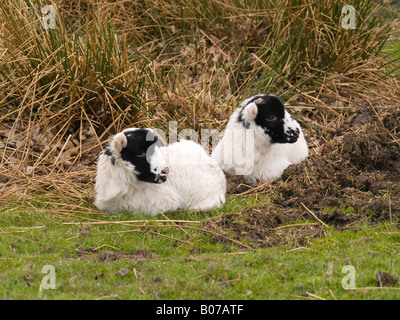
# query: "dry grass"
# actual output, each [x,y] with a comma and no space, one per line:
[113,64]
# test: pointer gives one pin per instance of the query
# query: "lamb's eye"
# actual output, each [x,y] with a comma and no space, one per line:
[140,155]
[272,118]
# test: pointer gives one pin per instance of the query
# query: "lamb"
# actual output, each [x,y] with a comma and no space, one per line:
[260,141]
[137,174]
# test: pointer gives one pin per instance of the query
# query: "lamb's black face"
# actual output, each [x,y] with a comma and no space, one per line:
[273,118]
[142,150]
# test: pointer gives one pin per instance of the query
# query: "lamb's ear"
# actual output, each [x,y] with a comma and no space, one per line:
[119,142]
[250,112]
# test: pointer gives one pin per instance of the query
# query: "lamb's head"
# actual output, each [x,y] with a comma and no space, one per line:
[268,113]
[139,152]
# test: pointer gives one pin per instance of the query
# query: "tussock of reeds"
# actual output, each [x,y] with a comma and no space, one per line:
[114,64]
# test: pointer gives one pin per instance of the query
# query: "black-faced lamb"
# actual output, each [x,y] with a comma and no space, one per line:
[137,174]
[260,141]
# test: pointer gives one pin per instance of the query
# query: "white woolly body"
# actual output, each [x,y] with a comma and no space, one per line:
[195,182]
[249,152]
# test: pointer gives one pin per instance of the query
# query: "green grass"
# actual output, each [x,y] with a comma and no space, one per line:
[391,52]
[156,267]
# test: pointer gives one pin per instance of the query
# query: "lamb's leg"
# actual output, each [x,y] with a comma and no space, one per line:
[208,204]
[250,180]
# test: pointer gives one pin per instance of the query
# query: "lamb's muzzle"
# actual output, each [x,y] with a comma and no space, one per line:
[163,175]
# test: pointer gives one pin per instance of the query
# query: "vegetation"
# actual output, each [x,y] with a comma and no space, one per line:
[107,257]
[71,77]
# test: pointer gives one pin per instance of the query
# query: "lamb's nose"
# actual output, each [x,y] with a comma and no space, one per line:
[165,171]
[297,132]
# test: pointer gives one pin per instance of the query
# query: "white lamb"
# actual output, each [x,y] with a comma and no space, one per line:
[260,141]
[136,174]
